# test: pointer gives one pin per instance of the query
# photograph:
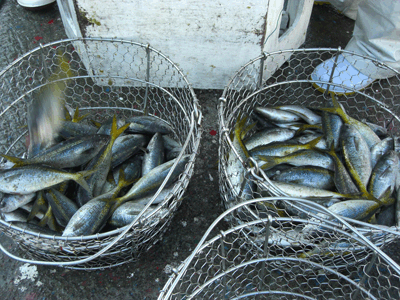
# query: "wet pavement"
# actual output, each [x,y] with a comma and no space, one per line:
[22,30]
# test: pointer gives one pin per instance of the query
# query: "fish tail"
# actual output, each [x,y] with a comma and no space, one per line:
[17,161]
[67,115]
[115,132]
[247,129]
[37,206]
[240,132]
[372,220]
[240,122]
[269,161]
[122,182]
[79,178]
[110,178]
[43,221]
[76,118]
[117,203]
[46,217]
[272,206]
[76,115]
[386,198]
[95,123]
[314,142]
[52,223]
[338,109]
[331,151]
[305,254]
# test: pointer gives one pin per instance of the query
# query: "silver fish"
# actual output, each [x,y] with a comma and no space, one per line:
[357,155]
[301,191]
[383,177]
[170,143]
[33,178]
[92,216]
[282,148]
[304,212]
[154,155]
[343,181]
[132,169]
[331,125]
[367,133]
[148,125]
[164,193]
[173,153]
[379,130]
[307,175]
[71,153]
[235,168]
[11,202]
[358,209]
[266,137]
[306,138]
[127,212]
[126,146]
[306,114]
[277,115]
[380,149]
[105,127]
[72,129]
[299,158]
[151,181]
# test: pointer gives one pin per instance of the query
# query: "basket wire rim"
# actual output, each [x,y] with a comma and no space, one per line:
[338,51]
[195,118]
[174,279]
[267,259]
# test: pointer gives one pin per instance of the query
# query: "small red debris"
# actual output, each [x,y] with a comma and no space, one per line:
[51,21]
[213,132]
[38,38]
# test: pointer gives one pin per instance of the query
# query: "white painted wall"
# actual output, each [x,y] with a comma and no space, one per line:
[209,39]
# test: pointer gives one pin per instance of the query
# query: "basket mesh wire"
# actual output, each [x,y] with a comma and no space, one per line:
[271,258]
[109,77]
[282,78]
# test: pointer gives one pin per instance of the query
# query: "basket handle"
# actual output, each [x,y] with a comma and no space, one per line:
[128,227]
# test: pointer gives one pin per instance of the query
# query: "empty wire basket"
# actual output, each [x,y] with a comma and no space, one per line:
[286,258]
[104,77]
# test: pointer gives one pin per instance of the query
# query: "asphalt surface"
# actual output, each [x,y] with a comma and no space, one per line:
[22,30]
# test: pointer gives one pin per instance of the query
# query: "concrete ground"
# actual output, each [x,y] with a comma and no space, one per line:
[22,30]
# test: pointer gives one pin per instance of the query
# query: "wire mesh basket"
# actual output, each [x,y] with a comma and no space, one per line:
[110,77]
[270,258]
[284,78]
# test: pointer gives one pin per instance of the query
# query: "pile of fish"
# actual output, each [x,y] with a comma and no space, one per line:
[93,178]
[322,154]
